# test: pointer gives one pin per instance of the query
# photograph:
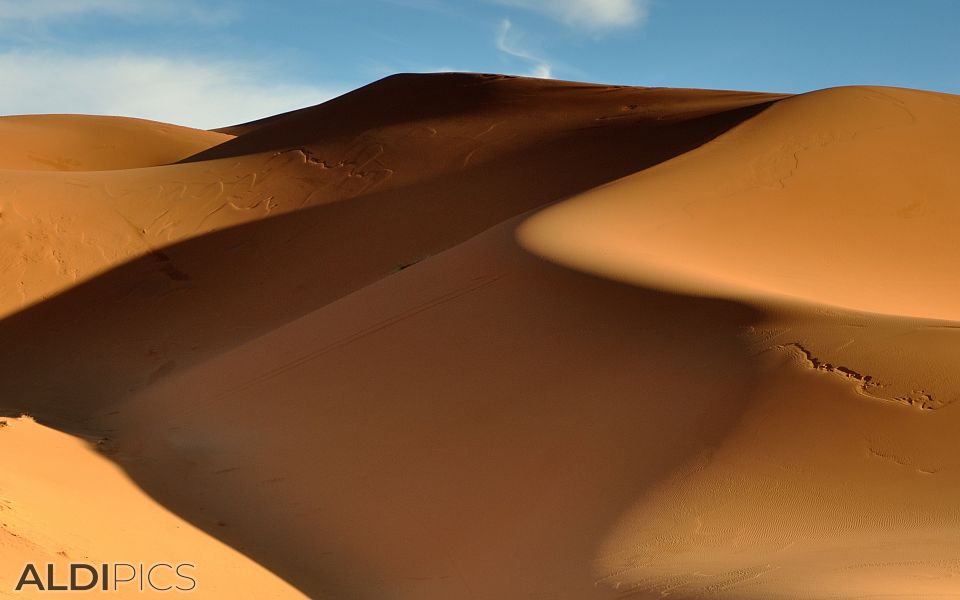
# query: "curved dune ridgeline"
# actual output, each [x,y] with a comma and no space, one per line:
[470,336]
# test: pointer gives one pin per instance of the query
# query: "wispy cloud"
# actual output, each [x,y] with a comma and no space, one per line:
[40,11]
[593,15]
[510,42]
[193,92]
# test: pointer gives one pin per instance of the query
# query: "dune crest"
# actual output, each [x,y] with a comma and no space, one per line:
[308,217]
[471,336]
[830,213]
[822,198]
[93,143]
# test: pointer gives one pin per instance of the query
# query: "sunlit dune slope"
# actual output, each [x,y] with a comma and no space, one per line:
[845,197]
[63,501]
[92,143]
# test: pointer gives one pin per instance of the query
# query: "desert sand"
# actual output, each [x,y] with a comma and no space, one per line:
[471,336]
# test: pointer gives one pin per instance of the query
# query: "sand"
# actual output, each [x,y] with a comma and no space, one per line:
[92,143]
[467,336]
[64,501]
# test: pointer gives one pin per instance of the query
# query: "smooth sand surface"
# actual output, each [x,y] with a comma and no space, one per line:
[844,197]
[464,336]
[63,501]
[92,143]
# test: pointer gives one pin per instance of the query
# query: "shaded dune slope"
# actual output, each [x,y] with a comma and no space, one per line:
[471,425]
[487,425]
[706,385]
[334,226]
[531,110]
[63,501]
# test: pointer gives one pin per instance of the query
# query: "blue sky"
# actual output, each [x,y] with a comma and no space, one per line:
[209,63]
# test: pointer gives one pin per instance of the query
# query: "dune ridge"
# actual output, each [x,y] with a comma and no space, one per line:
[843,152]
[469,336]
[389,199]
[94,143]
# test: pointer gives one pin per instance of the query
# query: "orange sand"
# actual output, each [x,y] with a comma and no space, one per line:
[466,336]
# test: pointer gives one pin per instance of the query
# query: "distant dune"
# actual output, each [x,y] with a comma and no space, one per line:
[483,337]
[90,143]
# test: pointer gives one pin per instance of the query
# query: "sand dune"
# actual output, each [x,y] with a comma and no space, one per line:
[383,200]
[399,397]
[91,143]
[845,197]
[63,502]
[462,336]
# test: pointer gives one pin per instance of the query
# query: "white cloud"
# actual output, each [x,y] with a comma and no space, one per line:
[589,14]
[37,11]
[509,42]
[203,94]
[14,10]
